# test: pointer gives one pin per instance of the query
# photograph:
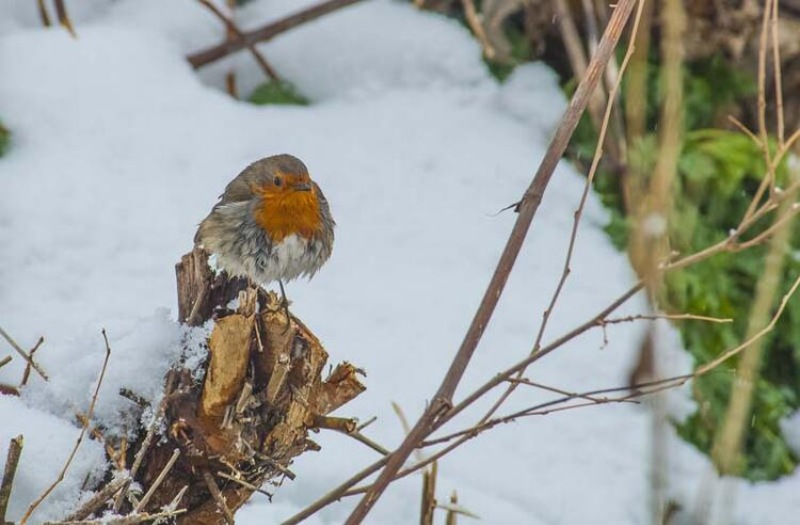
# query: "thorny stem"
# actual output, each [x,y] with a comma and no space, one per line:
[527,210]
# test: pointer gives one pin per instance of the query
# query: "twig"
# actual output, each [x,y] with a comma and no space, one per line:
[245,484]
[163,474]
[566,270]
[22,353]
[133,519]
[78,442]
[98,500]
[525,381]
[27,372]
[5,361]
[217,495]
[428,503]
[10,471]
[135,398]
[776,67]
[528,206]
[671,317]
[342,424]
[265,33]
[367,423]
[474,23]
[744,129]
[43,14]
[63,17]
[577,57]
[768,181]
[8,390]
[358,436]
[137,461]
[234,29]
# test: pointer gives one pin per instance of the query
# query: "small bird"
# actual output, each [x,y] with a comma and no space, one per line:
[272,223]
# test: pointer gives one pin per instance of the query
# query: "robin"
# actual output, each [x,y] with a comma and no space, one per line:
[272,223]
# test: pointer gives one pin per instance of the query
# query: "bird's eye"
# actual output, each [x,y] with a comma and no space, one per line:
[277,181]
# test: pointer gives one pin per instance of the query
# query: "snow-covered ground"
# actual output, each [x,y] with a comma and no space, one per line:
[120,148]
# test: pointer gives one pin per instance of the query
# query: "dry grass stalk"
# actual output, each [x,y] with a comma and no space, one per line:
[10,471]
[78,442]
[729,441]
[28,359]
[428,504]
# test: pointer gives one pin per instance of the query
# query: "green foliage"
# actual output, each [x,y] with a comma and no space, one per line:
[5,139]
[277,92]
[718,173]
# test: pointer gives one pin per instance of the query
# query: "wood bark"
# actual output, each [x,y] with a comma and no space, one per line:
[250,414]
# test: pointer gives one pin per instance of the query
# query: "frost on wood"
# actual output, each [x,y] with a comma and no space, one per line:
[245,421]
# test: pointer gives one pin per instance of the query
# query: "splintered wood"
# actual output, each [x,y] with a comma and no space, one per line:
[251,414]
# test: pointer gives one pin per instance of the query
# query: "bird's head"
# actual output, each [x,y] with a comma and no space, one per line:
[288,201]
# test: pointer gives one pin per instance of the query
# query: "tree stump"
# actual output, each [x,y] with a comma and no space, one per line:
[244,422]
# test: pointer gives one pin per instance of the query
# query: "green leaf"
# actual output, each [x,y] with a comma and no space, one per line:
[277,92]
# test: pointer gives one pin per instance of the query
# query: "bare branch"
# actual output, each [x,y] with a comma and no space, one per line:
[265,33]
[234,29]
[527,209]
[217,495]
[22,353]
[10,471]
[78,442]
[146,499]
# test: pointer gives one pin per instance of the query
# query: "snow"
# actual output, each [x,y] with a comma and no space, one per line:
[120,149]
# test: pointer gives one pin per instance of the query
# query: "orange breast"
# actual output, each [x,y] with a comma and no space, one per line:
[284,214]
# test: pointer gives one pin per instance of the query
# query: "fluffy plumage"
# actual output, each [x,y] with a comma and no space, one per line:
[271,223]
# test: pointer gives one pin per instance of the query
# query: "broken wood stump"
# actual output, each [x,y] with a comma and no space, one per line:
[241,425]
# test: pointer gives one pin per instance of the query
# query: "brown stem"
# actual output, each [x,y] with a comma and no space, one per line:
[12,459]
[265,33]
[78,442]
[527,209]
[234,31]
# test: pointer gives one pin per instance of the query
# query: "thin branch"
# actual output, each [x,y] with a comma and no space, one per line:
[163,474]
[44,16]
[265,33]
[10,471]
[63,17]
[571,395]
[474,23]
[26,374]
[744,129]
[234,30]
[768,181]
[442,400]
[22,353]
[133,519]
[148,439]
[367,423]
[670,317]
[218,498]
[245,484]
[758,335]
[776,67]
[5,361]
[98,500]
[78,442]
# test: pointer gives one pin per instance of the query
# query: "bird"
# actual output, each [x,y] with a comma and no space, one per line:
[272,223]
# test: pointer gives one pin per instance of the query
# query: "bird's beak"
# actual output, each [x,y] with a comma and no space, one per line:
[303,186]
